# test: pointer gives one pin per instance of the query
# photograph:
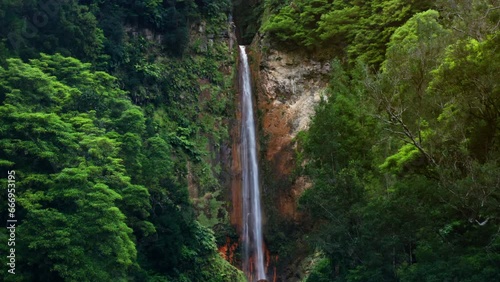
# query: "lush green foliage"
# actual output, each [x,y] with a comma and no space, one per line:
[104,182]
[405,161]
[67,156]
[355,28]
[31,27]
[95,30]
[247,17]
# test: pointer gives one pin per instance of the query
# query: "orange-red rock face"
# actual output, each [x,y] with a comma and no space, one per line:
[228,250]
[288,89]
[236,196]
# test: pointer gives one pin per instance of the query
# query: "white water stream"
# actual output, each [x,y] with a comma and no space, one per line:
[252,216]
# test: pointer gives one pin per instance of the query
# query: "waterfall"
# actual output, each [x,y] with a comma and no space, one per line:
[253,253]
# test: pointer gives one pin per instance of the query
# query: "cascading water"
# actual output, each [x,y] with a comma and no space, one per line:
[252,217]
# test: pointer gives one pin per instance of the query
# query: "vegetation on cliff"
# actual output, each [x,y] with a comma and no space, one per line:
[352,29]
[106,108]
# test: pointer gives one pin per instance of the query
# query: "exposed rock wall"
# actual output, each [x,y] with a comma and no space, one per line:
[288,88]
[292,84]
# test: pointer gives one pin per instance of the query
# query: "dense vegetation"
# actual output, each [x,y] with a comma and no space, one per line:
[404,150]
[106,107]
[352,29]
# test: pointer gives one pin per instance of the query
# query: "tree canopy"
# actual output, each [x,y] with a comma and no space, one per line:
[405,159]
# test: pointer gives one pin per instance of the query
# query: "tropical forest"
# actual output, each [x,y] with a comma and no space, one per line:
[250,140]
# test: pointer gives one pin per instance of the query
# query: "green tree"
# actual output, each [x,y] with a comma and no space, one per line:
[68,162]
[339,147]
[400,90]
[352,29]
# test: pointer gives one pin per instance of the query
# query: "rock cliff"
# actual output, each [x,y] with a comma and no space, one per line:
[288,88]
